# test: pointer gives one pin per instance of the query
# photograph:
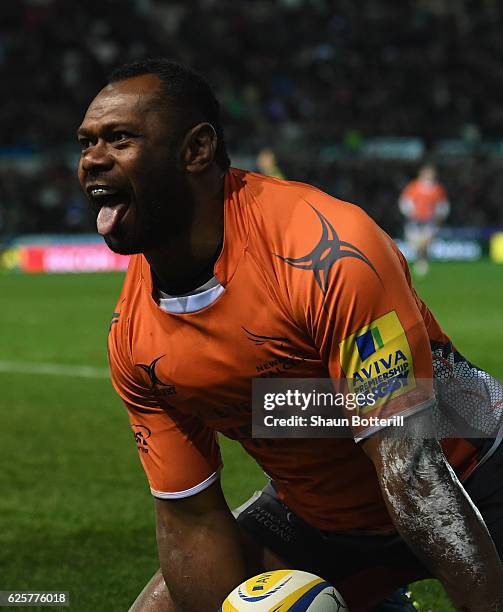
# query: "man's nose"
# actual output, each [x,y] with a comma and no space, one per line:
[96,157]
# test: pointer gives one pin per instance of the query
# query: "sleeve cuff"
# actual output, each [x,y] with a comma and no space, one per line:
[187,492]
[367,433]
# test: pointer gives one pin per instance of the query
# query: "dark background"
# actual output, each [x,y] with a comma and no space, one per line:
[326,84]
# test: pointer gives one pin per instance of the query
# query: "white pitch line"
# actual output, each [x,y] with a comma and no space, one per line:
[53,369]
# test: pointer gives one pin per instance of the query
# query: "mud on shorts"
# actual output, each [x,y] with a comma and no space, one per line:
[366,566]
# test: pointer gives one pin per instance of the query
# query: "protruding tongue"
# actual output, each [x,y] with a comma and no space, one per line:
[109,217]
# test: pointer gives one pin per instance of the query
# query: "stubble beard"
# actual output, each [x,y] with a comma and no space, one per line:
[158,218]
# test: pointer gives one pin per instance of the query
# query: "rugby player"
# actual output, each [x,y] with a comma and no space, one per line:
[425,206]
[235,275]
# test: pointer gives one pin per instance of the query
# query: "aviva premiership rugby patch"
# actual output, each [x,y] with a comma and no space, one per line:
[377,360]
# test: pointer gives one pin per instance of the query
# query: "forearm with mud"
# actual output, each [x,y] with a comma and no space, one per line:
[201,564]
[436,517]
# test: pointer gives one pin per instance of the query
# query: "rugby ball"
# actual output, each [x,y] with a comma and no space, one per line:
[283,590]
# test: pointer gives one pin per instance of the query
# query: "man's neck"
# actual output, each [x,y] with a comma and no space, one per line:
[185,284]
[187,261]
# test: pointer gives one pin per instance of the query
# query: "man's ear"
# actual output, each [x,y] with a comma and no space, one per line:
[198,148]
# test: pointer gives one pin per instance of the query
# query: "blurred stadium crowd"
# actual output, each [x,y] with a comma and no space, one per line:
[313,79]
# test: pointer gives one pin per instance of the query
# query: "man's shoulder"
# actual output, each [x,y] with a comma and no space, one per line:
[281,209]
[278,195]
[412,186]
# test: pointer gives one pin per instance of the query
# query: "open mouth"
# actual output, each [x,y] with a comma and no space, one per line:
[111,205]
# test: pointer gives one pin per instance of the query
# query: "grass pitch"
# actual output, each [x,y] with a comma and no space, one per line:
[75,510]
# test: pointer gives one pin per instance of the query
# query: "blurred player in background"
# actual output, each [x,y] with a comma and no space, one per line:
[424,204]
[268,164]
[235,274]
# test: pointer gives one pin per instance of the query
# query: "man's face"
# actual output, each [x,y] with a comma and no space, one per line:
[428,174]
[129,166]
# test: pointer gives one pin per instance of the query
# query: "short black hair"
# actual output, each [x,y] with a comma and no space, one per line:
[185,89]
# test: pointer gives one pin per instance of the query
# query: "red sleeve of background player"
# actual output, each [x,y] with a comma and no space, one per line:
[409,191]
[179,454]
[348,289]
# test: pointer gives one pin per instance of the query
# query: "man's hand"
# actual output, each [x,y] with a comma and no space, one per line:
[199,550]
[435,516]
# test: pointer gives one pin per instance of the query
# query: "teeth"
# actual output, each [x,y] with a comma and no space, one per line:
[97,192]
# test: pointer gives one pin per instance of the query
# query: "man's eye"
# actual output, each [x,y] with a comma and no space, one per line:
[118,136]
[84,143]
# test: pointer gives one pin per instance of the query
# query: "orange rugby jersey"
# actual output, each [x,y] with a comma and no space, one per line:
[424,198]
[305,275]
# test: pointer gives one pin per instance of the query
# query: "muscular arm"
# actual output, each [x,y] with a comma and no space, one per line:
[197,542]
[438,520]
[200,553]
